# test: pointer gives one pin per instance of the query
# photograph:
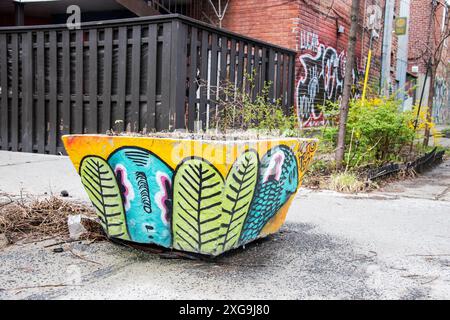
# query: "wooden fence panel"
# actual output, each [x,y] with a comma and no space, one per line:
[135,78]
[241,61]
[121,78]
[66,103]
[27,92]
[162,112]
[107,78]
[40,113]
[93,81]
[155,73]
[151,76]
[193,85]
[212,80]
[4,118]
[204,58]
[53,114]
[178,76]
[14,121]
[233,61]
[79,84]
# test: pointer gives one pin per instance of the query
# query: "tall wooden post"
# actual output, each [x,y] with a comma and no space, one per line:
[347,84]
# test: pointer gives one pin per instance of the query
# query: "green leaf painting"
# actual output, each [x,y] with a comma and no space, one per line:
[238,194]
[197,200]
[101,186]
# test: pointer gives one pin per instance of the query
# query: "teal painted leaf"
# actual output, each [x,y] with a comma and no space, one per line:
[238,194]
[277,182]
[197,200]
[101,186]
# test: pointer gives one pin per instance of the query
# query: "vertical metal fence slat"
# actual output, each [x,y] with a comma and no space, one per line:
[162,113]
[122,77]
[66,105]
[257,67]
[93,82]
[281,78]
[240,72]
[271,74]
[135,78]
[27,92]
[223,67]
[278,80]
[285,80]
[223,59]
[178,75]
[263,68]
[53,94]
[291,80]
[107,78]
[193,79]
[79,105]
[249,69]
[151,75]
[203,78]
[4,124]
[233,62]
[15,92]
[213,79]
[40,85]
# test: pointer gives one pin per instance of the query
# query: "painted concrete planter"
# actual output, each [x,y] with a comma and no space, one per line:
[192,195]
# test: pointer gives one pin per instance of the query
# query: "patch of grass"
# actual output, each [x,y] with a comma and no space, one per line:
[445,131]
[346,182]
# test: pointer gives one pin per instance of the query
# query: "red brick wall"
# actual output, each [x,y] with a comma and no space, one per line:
[284,22]
[268,20]
[421,46]
[419,34]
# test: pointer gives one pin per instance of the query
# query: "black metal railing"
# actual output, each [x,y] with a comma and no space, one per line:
[134,74]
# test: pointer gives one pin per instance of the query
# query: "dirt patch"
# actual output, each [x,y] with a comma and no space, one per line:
[211,135]
[36,219]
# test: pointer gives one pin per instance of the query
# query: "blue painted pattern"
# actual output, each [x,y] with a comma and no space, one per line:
[145,182]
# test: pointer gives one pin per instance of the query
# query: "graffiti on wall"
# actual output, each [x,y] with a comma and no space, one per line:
[195,205]
[441,107]
[309,41]
[321,80]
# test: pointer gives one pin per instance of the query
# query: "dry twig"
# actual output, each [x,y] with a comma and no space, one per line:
[42,218]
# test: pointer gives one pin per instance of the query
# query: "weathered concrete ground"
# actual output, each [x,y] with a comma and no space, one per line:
[390,244]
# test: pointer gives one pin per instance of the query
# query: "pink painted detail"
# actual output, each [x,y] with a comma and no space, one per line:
[162,197]
[275,166]
[125,185]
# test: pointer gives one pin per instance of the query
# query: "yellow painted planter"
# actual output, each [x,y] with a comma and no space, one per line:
[193,195]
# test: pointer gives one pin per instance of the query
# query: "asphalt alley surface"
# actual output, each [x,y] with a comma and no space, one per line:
[389,244]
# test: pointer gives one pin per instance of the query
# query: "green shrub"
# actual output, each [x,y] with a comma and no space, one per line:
[445,131]
[329,135]
[238,110]
[377,131]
